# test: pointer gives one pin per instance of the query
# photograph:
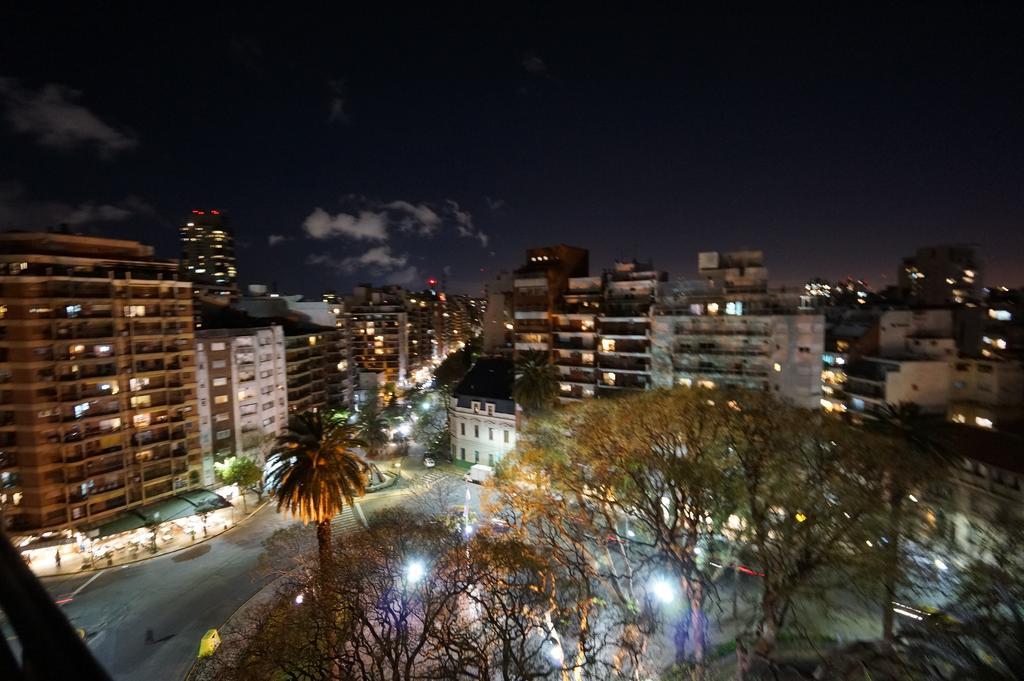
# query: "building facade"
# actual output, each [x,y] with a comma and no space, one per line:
[208,253]
[380,332]
[242,383]
[483,415]
[941,275]
[98,381]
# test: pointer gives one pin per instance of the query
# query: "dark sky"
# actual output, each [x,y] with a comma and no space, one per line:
[413,140]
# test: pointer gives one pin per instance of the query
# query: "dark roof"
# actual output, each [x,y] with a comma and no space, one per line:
[490,377]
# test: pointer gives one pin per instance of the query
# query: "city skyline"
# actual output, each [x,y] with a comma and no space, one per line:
[341,161]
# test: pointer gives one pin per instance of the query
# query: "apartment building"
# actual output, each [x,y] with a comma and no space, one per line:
[756,342]
[624,326]
[986,393]
[948,274]
[729,329]
[498,338]
[208,253]
[483,415]
[574,338]
[242,379]
[306,369]
[379,323]
[907,358]
[97,380]
[537,293]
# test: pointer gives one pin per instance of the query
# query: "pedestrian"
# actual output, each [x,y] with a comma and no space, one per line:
[56,558]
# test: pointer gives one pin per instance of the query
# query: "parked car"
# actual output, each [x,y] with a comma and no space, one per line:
[428,462]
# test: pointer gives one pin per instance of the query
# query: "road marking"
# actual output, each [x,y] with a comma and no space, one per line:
[87,583]
[359,510]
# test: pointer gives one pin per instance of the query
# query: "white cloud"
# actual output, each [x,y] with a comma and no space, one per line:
[55,118]
[496,205]
[419,218]
[368,225]
[534,64]
[464,223]
[379,257]
[275,239]
[338,107]
[18,211]
[403,277]
[378,261]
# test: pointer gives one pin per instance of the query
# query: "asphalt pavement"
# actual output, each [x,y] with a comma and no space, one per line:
[144,621]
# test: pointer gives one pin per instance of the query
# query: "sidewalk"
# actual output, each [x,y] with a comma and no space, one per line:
[136,546]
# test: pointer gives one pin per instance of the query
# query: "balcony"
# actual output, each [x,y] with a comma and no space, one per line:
[563,342]
[575,359]
[707,369]
[620,381]
[623,364]
[745,351]
[84,330]
[723,329]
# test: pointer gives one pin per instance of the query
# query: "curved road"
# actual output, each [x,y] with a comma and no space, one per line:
[182,595]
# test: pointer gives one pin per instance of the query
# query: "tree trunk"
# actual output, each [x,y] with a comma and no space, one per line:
[772,613]
[323,540]
[892,565]
[697,621]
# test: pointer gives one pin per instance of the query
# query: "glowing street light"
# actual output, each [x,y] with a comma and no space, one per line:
[415,571]
[663,590]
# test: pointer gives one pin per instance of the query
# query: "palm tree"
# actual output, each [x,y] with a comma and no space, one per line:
[920,458]
[536,382]
[372,427]
[314,471]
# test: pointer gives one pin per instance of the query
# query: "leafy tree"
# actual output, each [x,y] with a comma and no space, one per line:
[432,427]
[452,370]
[981,636]
[314,471]
[536,382]
[241,471]
[919,462]
[473,610]
[372,427]
[808,493]
[650,460]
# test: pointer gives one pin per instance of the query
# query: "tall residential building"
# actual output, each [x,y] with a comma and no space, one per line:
[97,380]
[208,253]
[730,330]
[624,326]
[752,340]
[941,275]
[537,293]
[497,318]
[242,391]
[307,365]
[380,332]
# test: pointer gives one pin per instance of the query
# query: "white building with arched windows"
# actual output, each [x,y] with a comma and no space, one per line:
[483,416]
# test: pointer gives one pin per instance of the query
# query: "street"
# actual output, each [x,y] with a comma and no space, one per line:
[179,597]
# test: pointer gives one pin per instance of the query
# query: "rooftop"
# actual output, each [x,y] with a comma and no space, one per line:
[490,377]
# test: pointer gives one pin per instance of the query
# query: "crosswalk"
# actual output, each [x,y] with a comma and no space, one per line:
[345,522]
[431,478]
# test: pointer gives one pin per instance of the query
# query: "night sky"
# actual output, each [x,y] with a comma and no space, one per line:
[398,145]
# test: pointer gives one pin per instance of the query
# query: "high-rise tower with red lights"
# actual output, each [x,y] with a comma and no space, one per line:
[208,253]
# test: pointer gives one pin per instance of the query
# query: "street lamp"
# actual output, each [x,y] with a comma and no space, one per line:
[663,590]
[415,571]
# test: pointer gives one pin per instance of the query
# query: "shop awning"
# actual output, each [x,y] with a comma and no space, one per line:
[179,506]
